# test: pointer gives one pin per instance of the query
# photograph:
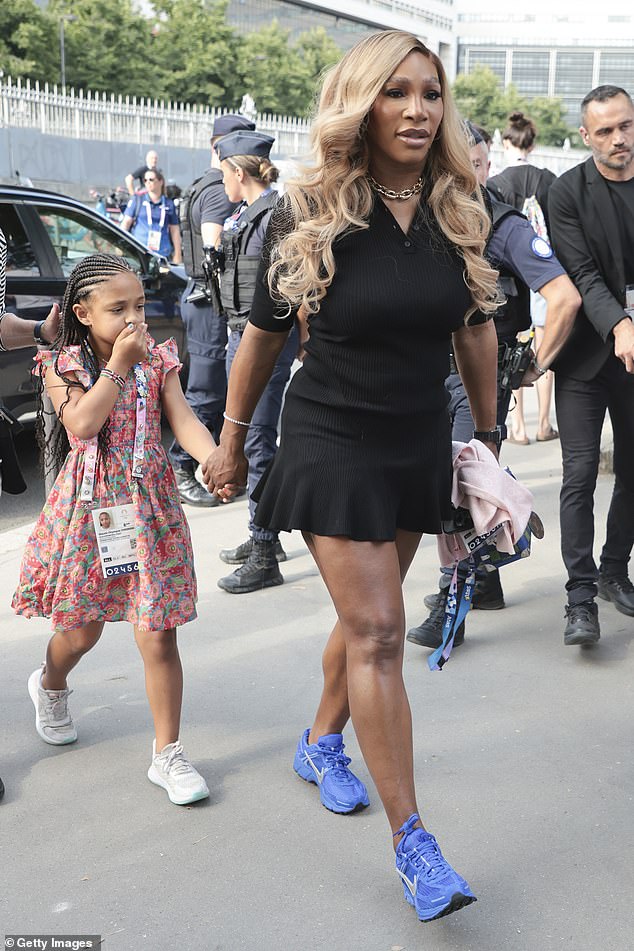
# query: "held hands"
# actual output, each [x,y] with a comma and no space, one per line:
[224,472]
[130,347]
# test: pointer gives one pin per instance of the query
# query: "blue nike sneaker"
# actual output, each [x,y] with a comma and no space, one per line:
[324,764]
[429,882]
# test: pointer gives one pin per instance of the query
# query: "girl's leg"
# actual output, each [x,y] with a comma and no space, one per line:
[364,581]
[518,426]
[65,650]
[163,681]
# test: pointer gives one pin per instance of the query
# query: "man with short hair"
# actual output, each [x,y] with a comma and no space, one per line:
[203,210]
[151,162]
[592,227]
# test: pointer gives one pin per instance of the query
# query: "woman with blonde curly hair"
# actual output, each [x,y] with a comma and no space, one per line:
[380,246]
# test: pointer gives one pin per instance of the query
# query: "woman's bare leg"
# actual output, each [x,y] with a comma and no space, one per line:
[364,581]
[544,389]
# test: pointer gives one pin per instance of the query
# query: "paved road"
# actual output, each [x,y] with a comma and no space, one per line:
[523,766]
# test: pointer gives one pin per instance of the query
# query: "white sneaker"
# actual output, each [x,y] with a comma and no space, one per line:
[52,718]
[171,770]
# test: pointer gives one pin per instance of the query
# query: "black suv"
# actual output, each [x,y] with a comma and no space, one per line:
[47,234]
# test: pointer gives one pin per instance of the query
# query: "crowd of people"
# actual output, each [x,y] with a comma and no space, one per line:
[401,278]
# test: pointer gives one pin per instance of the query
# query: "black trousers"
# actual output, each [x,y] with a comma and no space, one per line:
[581,407]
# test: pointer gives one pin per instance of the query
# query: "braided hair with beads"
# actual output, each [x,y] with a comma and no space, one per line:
[92,271]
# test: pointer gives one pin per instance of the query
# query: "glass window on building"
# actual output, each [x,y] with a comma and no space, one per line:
[573,74]
[529,71]
[617,67]
[249,16]
[494,59]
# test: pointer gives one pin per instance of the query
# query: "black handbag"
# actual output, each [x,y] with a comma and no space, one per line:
[11,479]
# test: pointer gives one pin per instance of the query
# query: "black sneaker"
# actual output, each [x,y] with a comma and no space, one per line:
[618,590]
[259,571]
[238,556]
[429,633]
[488,594]
[583,623]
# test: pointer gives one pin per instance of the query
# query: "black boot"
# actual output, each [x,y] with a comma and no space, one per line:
[429,633]
[260,570]
[238,556]
[583,623]
[191,492]
[488,594]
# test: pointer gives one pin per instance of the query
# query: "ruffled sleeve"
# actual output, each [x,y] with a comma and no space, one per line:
[68,362]
[167,352]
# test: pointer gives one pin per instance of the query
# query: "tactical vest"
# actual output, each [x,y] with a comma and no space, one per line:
[191,237]
[237,285]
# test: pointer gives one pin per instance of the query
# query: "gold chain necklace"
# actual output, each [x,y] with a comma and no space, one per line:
[406,193]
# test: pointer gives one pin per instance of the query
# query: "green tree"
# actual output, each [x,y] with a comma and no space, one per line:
[28,41]
[273,73]
[106,46]
[195,53]
[318,51]
[481,98]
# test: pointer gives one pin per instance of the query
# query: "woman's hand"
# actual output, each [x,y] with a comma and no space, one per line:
[130,347]
[224,472]
[50,327]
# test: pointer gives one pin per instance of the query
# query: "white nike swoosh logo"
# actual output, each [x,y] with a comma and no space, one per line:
[410,885]
[319,773]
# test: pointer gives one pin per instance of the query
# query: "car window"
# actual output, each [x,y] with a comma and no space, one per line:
[21,261]
[74,236]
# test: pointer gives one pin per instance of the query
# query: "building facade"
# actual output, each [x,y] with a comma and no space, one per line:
[559,51]
[348,21]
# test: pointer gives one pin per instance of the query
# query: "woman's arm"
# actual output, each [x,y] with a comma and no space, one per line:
[15,332]
[250,372]
[190,433]
[476,353]
[84,413]
[175,235]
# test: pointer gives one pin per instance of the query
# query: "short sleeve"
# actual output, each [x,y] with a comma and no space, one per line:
[215,207]
[167,353]
[268,313]
[129,208]
[172,214]
[63,361]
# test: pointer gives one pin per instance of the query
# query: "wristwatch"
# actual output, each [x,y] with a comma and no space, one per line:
[37,335]
[493,435]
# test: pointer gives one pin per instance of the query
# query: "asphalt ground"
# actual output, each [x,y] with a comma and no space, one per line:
[523,765]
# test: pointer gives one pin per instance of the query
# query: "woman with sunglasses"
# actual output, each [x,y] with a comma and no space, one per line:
[152,218]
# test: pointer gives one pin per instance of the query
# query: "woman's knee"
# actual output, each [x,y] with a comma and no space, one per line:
[157,645]
[376,638]
[83,639]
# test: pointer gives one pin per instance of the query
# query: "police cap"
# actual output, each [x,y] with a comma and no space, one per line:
[244,143]
[230,122]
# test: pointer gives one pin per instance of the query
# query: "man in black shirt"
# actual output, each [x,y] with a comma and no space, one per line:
[151,162]
[592,228]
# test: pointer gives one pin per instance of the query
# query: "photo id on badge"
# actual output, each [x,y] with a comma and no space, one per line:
[154,240]
[116,540]
[629,300]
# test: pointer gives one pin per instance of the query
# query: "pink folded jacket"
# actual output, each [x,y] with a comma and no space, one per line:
[491,495]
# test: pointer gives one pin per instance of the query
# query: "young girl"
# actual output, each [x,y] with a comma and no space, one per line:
[108,382]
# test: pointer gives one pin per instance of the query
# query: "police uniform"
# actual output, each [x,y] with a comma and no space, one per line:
[516,252]
[206,328]
[242,243]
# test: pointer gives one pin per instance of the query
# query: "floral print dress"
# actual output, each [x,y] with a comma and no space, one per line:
[61,575]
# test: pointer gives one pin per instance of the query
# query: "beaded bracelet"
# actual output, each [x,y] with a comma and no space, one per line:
[238,422]
[114,377]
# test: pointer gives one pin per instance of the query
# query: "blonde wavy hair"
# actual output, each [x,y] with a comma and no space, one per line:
[332,194]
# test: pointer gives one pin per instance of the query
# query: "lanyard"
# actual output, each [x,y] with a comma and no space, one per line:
[148,210]
[455,613]
[90,453]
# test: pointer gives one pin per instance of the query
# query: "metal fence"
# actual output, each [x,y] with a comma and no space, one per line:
[99,117]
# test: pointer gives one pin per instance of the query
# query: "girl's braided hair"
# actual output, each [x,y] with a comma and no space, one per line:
[84,279]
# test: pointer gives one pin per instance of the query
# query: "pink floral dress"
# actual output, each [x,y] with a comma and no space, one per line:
[61,575]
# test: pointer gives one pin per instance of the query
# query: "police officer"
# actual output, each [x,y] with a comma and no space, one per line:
[203,211]
[248,178]
[524,261]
